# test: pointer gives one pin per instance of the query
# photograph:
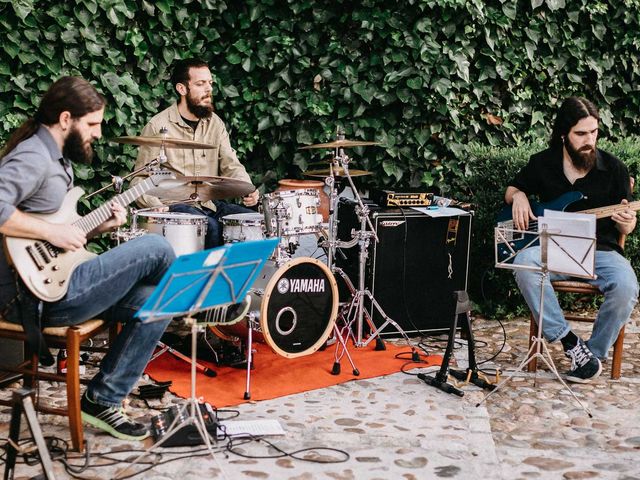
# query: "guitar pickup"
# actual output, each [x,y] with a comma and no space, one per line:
[34,258]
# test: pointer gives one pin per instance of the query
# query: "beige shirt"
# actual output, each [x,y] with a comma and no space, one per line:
[218,161]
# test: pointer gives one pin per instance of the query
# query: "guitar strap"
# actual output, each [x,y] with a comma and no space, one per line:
[26,309]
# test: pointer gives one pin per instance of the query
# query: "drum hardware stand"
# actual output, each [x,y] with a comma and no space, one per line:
[151,166]
[356,311]
[22,403]
[463,307]
[538,347]
[180,356]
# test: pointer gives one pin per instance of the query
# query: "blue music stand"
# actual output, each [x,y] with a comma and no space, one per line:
[199,282]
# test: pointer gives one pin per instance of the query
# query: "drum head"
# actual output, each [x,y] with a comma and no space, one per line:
[299,307]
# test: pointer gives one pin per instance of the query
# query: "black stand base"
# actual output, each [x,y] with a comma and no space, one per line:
[462,308]
[336,368]
[380,344]
[473,378]
[440,384]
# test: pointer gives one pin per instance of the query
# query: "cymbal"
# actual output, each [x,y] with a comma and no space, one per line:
[338,172]
[340,144]
[201,189]
[159,141]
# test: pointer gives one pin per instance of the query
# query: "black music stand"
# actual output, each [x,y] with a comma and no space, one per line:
[196,283]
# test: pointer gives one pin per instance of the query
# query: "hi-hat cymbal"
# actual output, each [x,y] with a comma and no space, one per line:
[159,141]
[337,172]
[201,189]
[341,144]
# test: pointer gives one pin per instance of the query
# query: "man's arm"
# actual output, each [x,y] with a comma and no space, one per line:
[65,236]
[625,220]
[520,207]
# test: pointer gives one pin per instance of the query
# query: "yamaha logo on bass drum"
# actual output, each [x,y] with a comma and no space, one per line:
[301,285]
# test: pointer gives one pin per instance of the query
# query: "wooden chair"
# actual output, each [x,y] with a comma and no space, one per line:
[584,288]
[70,338]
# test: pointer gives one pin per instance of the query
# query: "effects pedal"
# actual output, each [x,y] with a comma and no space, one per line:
[183,435]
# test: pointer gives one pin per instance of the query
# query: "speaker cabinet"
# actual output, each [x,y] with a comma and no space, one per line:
[414,268]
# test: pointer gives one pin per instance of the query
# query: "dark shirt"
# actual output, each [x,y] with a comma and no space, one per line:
[606,184]
[192,123]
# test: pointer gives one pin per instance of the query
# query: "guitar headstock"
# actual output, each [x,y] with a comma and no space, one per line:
[159,176]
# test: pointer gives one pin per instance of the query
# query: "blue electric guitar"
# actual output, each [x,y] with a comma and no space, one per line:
[513,242]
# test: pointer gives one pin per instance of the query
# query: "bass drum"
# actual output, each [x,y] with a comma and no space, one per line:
[296,305]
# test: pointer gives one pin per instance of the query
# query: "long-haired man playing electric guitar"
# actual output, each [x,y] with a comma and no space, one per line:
[36,176]
[574,163]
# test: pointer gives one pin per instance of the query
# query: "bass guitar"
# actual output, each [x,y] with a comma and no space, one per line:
[44,268]
[513,242]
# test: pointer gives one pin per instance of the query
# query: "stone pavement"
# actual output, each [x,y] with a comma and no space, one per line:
[397,427]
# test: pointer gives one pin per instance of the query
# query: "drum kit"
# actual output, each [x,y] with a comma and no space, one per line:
[295,305]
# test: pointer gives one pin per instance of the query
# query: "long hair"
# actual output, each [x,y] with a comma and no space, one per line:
[572,110]
[180,73]
[68,94]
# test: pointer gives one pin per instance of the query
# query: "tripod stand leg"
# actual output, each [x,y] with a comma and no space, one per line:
[388,321]
[22,403]
[342,343]
[247,392]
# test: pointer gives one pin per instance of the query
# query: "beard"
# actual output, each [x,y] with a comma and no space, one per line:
[76,149]
[200,111]
[583,158]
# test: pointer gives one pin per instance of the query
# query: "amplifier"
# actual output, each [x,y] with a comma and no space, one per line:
[415,267]
[186,435]
[389,198]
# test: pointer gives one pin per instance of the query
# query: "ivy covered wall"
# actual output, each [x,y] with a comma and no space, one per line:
[425,78]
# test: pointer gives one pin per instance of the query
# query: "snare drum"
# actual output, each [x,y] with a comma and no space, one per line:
[239,227]
[296,304]
[184,231]
[297,211]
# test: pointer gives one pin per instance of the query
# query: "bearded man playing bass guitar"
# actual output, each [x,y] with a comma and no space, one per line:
[35,177]
[573,163]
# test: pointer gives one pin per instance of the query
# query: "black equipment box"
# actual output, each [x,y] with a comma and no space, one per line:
[415,267]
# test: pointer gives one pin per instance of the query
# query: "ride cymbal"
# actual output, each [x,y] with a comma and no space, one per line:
[340,144]
[160,141]
[201,189]
[337,172]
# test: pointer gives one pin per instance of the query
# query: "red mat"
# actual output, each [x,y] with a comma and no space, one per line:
[276,376]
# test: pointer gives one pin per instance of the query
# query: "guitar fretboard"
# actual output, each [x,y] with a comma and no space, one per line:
[101,214]
[603,212]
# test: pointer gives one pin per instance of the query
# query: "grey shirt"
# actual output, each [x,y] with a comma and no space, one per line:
[34,177]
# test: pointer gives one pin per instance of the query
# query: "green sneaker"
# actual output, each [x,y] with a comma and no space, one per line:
[112,420]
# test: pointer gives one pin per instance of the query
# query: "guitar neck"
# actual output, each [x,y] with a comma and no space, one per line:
[101,214]
[604,212]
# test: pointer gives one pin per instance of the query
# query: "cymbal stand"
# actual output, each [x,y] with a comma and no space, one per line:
[356,311]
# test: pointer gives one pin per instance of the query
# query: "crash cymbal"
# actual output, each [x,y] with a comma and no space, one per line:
[159,141]
[338,172]
[201,189]
[341,144]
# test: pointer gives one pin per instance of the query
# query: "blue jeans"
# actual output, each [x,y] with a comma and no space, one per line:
[113,286]
[615,279]
[213,238]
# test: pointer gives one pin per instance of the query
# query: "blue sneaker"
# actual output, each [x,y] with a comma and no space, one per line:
[584,364]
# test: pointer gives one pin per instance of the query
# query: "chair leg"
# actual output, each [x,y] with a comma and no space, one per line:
[616,363]
[73,389]
[532,366]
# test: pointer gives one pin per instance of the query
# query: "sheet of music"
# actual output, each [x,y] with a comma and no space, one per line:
[571,246]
